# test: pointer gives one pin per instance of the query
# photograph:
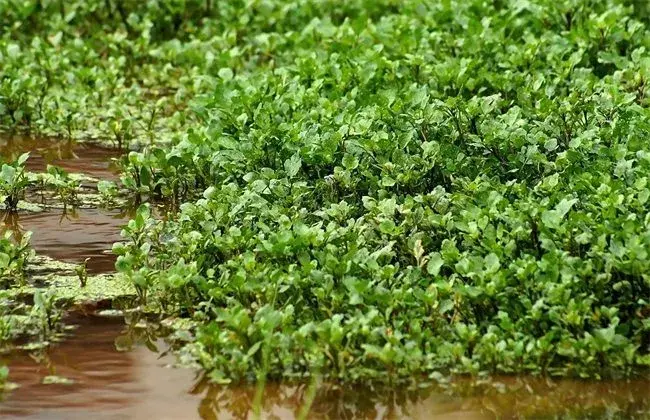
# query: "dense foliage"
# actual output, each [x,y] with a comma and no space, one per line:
[371,190]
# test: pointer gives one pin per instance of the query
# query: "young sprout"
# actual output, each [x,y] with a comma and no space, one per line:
[13,182]
[64,186]
[82,272]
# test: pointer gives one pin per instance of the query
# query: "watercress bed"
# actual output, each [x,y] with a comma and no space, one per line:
[367,190]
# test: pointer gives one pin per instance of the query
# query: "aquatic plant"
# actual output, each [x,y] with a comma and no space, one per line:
[4,374]
[82,272]
[65,187]
[108,191]
[29,325]
[132,260]
[367,190]
[14,256]
[46,313]
[453,186]
[13,182]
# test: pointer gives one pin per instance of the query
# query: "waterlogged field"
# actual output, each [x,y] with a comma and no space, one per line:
[325,209]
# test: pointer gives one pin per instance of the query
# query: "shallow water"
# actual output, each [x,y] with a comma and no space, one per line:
[139,384]
[88,158]
[72,236]
[76,234]
[109,384]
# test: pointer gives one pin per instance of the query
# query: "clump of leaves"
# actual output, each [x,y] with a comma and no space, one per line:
[4,377]
[370,190]
[384,200]
[63,185]
[13,182]
[132,260]
[108,191]
[14,257]
[47,313]
[122,130]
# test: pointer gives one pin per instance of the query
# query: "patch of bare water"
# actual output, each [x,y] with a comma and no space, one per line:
[71,236]
[88,158]
[107,383]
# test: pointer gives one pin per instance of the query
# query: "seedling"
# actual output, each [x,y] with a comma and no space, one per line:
[14,257]
[64,186]
[13,182]
[82,272]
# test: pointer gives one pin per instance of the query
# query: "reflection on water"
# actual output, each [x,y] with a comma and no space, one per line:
[136,383]
[86,158]
[511,398]
[72,236]
[109,384]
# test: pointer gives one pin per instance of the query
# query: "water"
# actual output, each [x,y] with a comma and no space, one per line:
[76,234]
[72,236]
[107,383]
[87,158]
[140,384]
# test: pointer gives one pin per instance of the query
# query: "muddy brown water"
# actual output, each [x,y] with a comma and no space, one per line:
[75,234]
[71,236]
[88,158]
[140,384]
[107,383]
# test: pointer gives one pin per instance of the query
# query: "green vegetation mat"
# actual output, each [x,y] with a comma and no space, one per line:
[366,190]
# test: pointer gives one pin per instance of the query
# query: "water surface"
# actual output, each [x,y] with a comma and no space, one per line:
[71,236]
[139,384]
[107,383]
[88,158]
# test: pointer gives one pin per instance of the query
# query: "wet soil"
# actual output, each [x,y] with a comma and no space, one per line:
[88,158]
[139,383]
[71,236]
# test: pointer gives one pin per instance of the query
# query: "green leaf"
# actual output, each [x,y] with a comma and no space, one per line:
[387,226]
[8,174]
[22,159]
[292,165]
[564,206]
[13,50]
[435,263]
[350,162]
[226,73]
[550,144]
[492,263]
